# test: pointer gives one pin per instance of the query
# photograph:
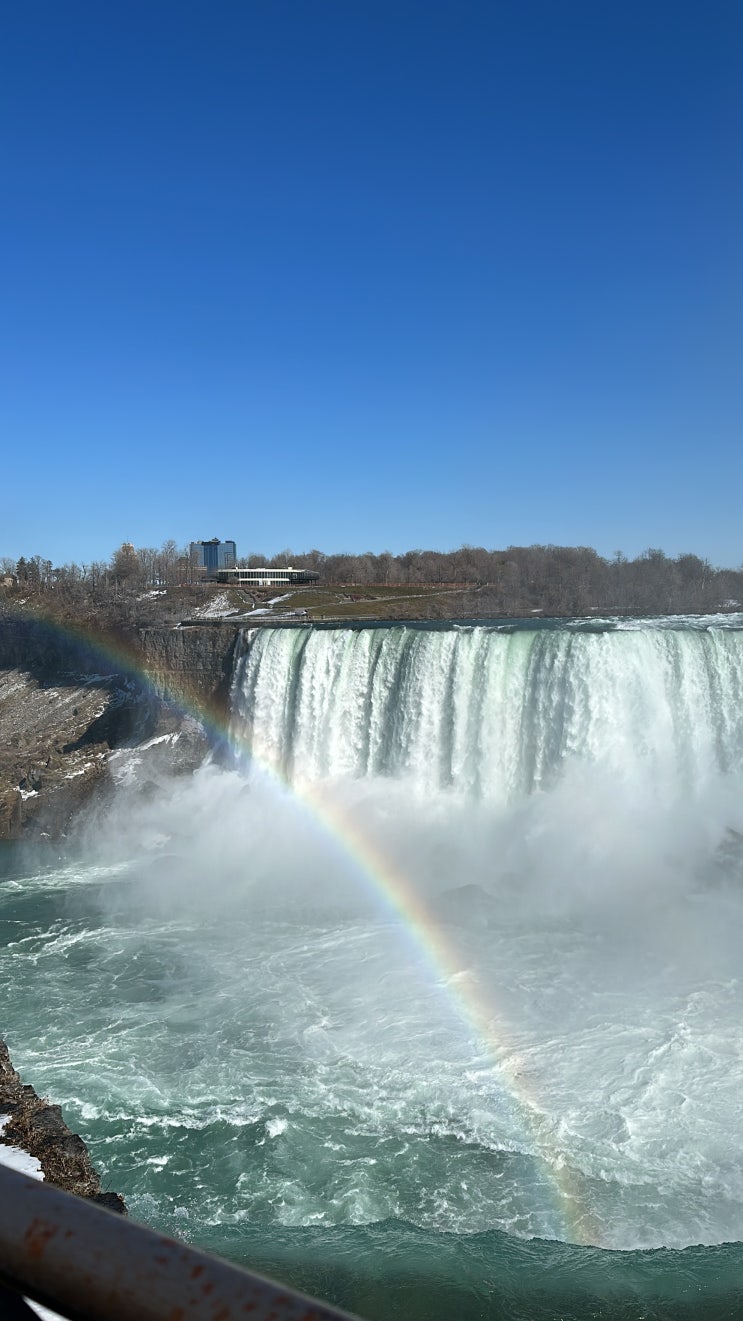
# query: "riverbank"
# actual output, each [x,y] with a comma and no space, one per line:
[35,1127]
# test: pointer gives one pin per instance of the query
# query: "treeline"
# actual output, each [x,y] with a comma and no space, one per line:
[133,587]
[144,583]
[561,580]
[147,566]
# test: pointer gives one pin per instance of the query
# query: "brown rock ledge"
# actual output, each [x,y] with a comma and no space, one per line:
[39,1129]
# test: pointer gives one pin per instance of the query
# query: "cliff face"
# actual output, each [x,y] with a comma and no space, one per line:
[193,662]
[54,742]
[65,708]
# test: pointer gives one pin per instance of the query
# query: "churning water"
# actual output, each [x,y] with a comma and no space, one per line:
[431,1001]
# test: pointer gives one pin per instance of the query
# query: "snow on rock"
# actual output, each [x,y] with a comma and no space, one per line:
[218,608]
[16,1159]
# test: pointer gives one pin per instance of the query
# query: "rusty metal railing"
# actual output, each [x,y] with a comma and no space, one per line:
[92,1265]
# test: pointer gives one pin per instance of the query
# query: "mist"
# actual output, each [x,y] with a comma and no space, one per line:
[522,1014]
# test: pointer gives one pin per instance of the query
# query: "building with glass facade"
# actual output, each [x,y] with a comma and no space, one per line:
[208,557]
[266,577]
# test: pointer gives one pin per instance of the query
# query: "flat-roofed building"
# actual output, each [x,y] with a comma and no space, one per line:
[266,576]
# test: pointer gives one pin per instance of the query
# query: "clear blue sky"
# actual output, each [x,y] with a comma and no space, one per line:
[371,274]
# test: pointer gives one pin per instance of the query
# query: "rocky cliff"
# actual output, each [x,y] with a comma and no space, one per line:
[191,662]
[36,1127]
[68,703]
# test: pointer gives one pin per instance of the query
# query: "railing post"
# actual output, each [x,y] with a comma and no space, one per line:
[93,1265]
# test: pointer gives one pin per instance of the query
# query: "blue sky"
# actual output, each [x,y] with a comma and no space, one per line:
[371,274]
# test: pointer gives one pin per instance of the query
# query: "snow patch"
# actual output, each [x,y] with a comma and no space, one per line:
[16,1159]
[218,608]
[159,738]
[9,689]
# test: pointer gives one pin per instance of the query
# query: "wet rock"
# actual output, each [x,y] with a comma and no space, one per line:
[38,1128]
[62,722]
[53,747]
[193,663]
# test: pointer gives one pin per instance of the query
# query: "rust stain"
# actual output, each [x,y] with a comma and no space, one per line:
[196,1272]
[36,1237]
[208,1287]
[176,1314]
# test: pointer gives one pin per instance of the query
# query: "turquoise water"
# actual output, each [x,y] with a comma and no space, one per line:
[265,1060]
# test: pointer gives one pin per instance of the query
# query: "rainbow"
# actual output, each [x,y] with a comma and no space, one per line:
[430,937]
[437,952]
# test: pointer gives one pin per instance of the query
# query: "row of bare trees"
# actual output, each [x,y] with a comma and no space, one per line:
[145,566]
[560,580]
[135,586]
[557,579]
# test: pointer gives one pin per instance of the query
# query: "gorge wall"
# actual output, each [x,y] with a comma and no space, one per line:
[68,702]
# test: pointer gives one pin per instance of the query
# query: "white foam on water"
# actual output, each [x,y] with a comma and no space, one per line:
[237,1002]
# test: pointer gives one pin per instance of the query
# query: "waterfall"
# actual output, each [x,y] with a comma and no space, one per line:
[494,714]
[453,952]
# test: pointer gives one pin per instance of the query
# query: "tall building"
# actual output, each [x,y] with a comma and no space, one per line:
[208,557]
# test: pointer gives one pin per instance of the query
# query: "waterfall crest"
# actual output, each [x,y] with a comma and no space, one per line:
[493,714]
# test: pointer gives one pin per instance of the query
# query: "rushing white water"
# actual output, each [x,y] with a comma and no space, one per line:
[252,1044]
[577,794]
[494,714]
